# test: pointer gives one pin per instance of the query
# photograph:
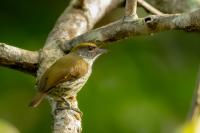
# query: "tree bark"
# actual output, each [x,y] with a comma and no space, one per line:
[19,59]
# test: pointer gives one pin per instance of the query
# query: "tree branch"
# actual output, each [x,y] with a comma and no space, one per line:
[149,7]
[144,26]
[131,10]
[79,17]
[19,59]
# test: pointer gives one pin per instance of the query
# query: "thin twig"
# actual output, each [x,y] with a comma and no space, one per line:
[149,7]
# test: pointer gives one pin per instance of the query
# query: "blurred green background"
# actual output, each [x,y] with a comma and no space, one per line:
[143,85]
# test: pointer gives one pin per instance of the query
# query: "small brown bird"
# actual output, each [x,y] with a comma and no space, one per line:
[72,69]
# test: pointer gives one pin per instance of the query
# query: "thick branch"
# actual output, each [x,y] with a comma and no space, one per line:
[18,59]
[77,19]
[144,26]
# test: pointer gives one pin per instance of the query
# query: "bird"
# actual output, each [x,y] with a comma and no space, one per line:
[73,70]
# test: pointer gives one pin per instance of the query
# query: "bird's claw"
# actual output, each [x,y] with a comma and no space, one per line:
[67,105]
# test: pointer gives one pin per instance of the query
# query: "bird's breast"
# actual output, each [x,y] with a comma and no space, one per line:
[71,88]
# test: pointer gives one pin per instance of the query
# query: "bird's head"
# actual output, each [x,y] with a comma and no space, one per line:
[88,51]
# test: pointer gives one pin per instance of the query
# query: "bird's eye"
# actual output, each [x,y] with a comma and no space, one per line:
[91,48]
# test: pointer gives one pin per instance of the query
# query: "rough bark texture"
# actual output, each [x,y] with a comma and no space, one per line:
[80,17]
[19,59]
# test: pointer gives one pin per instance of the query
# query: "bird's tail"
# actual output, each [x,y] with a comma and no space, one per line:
[36,100]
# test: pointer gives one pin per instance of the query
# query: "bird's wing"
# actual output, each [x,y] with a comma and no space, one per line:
[67,68]
[78,70]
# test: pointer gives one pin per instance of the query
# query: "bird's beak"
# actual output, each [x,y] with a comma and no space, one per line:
[101,51]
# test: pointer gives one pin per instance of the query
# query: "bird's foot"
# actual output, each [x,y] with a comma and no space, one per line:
[67,105]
